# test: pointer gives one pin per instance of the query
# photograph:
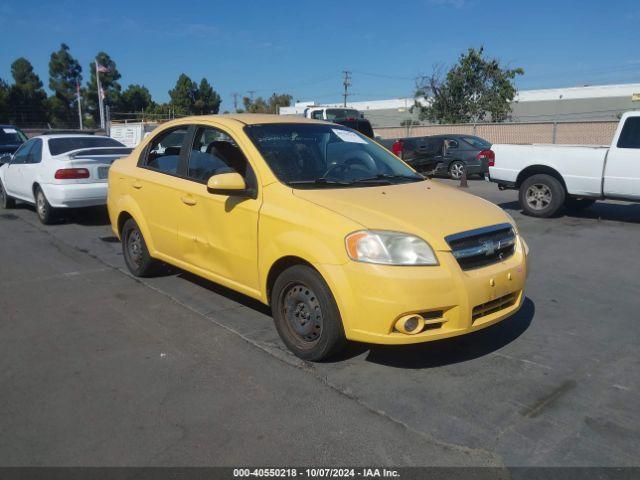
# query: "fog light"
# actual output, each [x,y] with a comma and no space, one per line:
[410,324]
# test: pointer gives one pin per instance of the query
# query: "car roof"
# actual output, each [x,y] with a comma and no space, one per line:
[68,135]
[253,118]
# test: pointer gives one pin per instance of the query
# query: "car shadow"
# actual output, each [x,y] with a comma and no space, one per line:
[446,351]
[616,212]
[88,217]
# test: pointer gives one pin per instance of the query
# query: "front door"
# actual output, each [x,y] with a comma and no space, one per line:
[13,173]
[219,233]
[622,170]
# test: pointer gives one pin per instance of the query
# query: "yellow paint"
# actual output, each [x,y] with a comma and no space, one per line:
[235,241]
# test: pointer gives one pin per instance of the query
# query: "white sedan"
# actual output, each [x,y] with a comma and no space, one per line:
[59,171]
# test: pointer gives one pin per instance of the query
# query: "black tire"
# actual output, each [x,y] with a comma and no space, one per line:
[6,201]
[573,204]
[541,196]
[135,251]
[455,170]
[46,213]
[306,314]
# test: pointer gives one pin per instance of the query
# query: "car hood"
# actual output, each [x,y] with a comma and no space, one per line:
[428,209]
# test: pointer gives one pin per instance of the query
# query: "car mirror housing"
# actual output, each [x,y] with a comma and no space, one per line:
[228,184]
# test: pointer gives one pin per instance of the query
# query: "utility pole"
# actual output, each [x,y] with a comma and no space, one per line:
[347,83]
[235,102]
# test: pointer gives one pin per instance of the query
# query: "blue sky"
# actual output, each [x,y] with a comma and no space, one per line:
[301,47]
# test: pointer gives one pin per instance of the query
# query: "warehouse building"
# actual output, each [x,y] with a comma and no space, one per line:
[584,103]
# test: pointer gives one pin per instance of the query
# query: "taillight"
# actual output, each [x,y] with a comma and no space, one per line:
[397,148]
[489,155]
[71,173]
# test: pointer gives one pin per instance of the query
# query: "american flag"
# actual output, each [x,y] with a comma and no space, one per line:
[101,68]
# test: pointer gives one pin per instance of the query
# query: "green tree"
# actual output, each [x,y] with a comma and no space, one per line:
[475,89]
[65,74]
[109,82]
[207,99]
[135,98]
[183,96]
[271,105]
[26,99]
[4,101]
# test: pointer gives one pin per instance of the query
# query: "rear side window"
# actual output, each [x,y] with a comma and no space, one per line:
[35,154]
[163,153]
[58,146]
[630,136]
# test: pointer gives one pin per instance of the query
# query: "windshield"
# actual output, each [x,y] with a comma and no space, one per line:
[336,114]
[11,136]
[316,156]
[477,142]
[58,146]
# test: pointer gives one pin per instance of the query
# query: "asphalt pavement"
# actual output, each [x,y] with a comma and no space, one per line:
[99,368]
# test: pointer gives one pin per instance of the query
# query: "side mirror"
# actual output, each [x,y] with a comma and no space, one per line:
[228,184]
[5,159]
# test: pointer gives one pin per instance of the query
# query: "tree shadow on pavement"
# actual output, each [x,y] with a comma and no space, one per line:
[450,350]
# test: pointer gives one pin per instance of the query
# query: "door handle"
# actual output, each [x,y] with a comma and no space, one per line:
[188,201]
[136,185]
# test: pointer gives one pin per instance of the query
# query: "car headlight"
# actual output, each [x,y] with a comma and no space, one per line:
[389,248]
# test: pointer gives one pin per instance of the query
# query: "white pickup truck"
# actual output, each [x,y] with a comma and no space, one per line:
[555,177]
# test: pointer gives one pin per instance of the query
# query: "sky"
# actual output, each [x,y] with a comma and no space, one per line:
[301,47]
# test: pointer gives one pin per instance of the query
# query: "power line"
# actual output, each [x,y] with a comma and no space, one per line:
[347,83]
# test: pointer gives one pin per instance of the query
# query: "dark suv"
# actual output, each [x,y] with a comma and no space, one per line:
[10,139]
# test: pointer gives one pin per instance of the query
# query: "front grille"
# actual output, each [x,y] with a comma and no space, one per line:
[483,246]
[493,306]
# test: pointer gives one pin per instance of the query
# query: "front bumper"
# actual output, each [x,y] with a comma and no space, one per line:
[371,298]
[76,195]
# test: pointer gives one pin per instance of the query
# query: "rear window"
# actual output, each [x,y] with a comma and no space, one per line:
[337,114]
[630,136]
[58,146]
[477,142]
[11,136]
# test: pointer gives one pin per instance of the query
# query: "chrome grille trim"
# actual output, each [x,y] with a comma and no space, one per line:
[482,246]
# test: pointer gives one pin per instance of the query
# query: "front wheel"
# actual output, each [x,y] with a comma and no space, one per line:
[456,170]
[6,201]
[541,196]
[306,314]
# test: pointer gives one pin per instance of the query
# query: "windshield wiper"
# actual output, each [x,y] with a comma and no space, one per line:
[318,181]
[385,177]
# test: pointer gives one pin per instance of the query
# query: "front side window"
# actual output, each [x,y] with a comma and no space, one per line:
[317,156]
[164,151]
[214,152]
[22,154]
[630,136]
[317,115]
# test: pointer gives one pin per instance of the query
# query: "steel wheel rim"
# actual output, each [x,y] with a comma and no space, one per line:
[302,313]
[134,247]
[457,169]
[41,206]
[538,196]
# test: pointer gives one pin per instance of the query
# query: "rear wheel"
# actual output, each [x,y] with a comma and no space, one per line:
[541,196]
[6,201]
[306,314]
[135,251]
[46,213]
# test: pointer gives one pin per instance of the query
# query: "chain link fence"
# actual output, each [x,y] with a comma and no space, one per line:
[567,133]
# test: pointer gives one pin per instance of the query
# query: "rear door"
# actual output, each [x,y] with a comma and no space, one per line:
[622,169]
[156,187]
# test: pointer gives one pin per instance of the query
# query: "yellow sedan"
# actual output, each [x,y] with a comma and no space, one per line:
[340,237]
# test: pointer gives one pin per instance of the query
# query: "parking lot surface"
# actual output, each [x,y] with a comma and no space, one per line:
[99,368]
